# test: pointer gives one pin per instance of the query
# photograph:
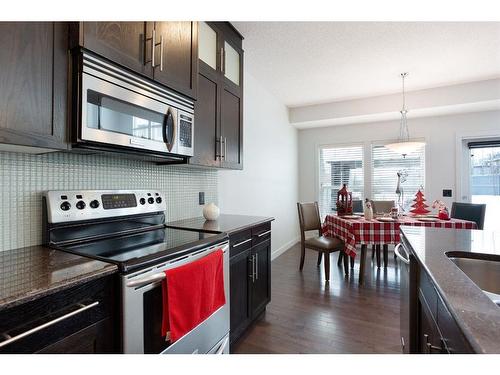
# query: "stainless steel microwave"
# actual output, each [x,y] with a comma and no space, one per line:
[119,110]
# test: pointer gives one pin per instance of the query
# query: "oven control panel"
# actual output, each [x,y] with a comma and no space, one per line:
[78,205]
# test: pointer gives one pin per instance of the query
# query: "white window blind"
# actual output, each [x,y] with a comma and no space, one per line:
[339,165]
[386,165]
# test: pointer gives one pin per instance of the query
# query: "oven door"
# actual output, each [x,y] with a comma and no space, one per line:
[118,116]
[142,312]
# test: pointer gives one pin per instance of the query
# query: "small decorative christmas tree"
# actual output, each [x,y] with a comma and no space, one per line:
[419,207]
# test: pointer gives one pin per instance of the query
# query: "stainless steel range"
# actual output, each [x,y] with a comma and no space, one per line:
[127,228]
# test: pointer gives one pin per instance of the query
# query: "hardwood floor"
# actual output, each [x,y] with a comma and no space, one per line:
[307,315]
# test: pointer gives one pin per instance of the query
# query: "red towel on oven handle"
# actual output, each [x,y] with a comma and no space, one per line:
[191,293]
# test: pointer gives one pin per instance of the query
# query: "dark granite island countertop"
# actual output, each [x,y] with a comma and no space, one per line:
[224,224]
[32,272]
[477,315]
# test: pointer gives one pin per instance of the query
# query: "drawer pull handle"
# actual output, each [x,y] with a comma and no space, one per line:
[242,243]
[48,324]
[264,233]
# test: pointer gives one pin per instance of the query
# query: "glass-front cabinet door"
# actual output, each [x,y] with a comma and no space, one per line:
[231,63]
[207,45]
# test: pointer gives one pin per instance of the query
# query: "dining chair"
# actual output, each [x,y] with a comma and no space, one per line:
[469,211]
[381,207]
[357,206]
[309,220]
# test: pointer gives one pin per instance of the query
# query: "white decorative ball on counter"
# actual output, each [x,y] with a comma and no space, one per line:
[211,211]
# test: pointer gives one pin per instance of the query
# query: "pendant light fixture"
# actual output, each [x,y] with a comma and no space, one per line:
[404,146]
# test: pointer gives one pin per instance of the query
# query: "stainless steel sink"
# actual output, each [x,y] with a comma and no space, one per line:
[484,273]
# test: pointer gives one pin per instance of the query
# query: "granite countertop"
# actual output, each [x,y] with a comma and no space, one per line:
[33,272]
[475,313]
[224,224]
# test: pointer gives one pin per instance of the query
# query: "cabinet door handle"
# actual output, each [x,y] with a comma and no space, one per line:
[161,53]
[256,266]
[222,60]
[264,233]
[48,324]
[153,44]
[225,148]
[242,243]
[223,155]
[153,50]
[252,275]
[429,347]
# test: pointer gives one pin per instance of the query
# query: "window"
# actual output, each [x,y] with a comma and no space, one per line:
[339,165]
[386,165]
[485,179]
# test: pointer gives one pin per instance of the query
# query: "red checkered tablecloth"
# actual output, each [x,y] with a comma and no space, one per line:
[373,232]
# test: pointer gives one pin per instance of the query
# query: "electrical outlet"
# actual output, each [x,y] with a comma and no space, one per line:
[201,198]
[446,192]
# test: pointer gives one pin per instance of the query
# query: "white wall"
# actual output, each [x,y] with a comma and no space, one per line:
[439,132]
[268,183]
[446,100]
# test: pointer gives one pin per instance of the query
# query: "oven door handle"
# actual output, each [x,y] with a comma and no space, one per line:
[161,275]
[399,255]
[146,280]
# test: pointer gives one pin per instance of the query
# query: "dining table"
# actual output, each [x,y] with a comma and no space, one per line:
[355,230]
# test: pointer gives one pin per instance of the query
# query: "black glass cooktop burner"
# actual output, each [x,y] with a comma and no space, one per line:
[134,251]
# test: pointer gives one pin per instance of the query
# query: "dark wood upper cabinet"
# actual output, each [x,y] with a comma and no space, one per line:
[221,62]
[121,42]
[206,121]
[231,129]
[177,60]
[172,47]
[33,81]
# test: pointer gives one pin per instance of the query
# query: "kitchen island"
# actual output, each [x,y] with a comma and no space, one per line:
[449,311]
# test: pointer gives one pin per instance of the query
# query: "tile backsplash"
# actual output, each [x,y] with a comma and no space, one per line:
[23,177]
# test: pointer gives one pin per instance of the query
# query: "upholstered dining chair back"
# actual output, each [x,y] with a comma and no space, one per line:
[309,218]
[382,206]
[469,211]
[357,206]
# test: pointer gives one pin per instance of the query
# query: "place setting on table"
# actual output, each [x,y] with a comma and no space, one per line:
[370,228]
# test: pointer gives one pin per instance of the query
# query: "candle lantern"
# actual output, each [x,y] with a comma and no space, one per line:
[344,201]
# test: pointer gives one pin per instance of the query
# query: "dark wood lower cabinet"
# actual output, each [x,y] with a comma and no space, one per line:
[429,340]
[250,277]
[80,319]
[240,287]
[261,286]
[94,339]
[436,331]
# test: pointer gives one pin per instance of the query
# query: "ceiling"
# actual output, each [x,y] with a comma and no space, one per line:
[316,62]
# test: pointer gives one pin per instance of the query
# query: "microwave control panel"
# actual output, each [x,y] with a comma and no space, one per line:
[186,131]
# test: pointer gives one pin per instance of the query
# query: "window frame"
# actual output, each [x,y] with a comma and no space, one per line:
[383,143]
[367,162]
[319,147]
